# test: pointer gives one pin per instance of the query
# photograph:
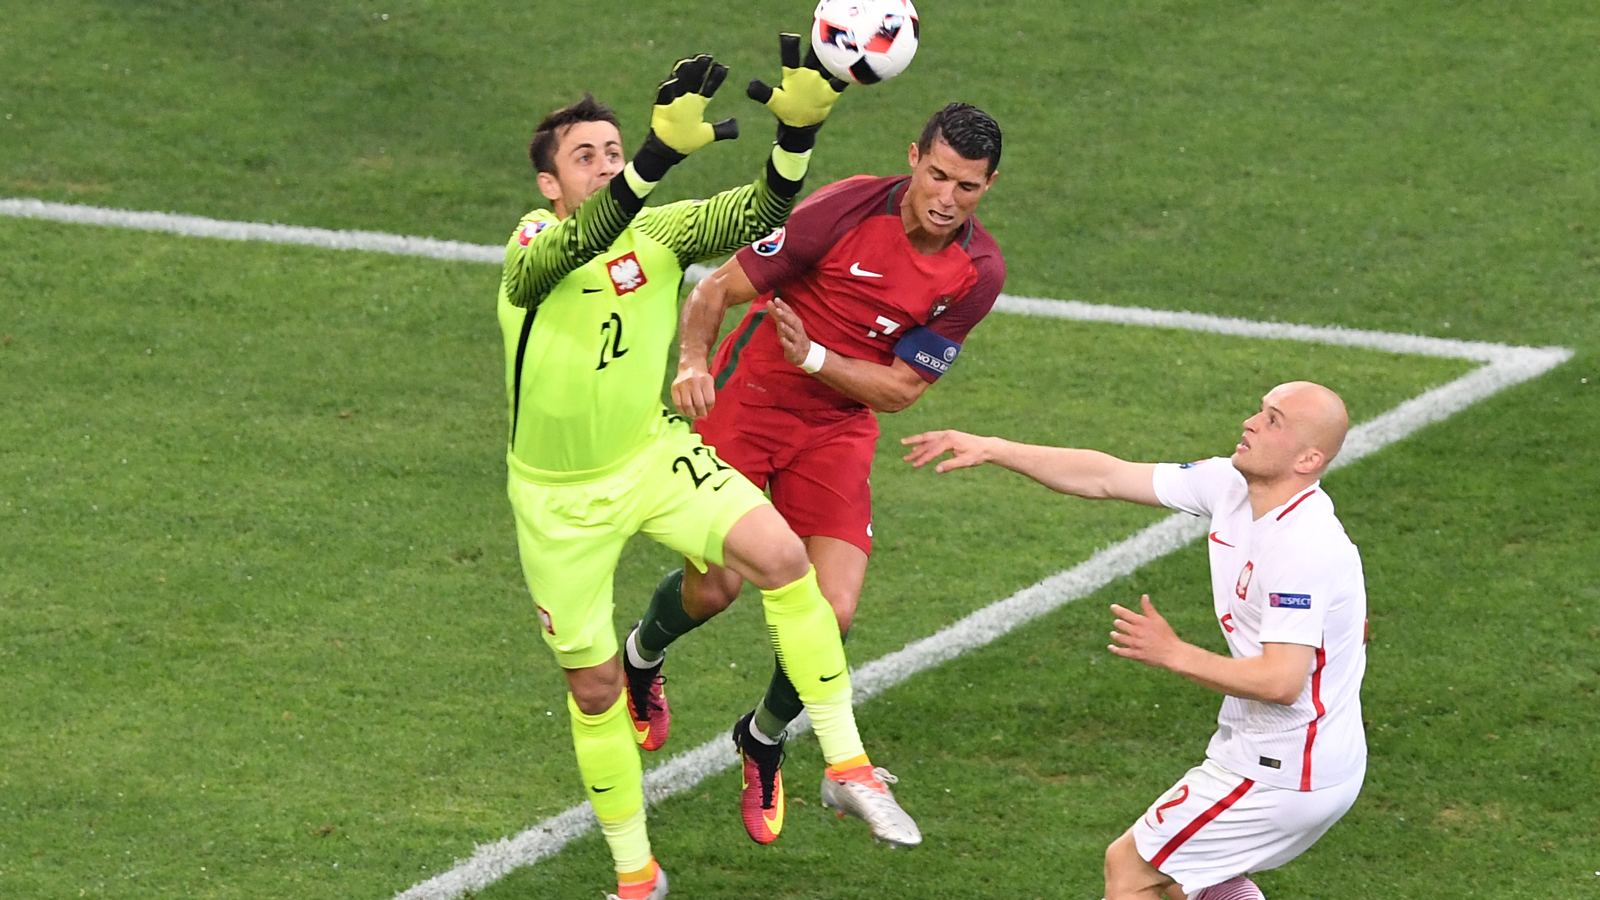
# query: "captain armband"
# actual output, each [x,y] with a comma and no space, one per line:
[927,351]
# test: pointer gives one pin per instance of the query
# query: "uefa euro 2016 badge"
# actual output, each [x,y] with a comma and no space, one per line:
[771,244]
[530,230]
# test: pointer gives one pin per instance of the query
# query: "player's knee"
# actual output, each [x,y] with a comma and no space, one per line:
[595,690]
[762,548]
[786,563]
[595,696]
[711,594]
[778,558]
[844,606]
[597,700]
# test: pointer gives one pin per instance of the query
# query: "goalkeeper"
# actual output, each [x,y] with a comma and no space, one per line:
[588,309]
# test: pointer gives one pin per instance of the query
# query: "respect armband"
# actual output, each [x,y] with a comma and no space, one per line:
[927,351]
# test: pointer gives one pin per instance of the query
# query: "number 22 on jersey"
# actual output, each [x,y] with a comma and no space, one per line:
[611,347]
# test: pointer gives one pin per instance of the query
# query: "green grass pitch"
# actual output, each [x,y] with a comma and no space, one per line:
[262,628]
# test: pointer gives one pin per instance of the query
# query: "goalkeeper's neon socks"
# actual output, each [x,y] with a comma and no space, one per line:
[649,883]
[608,759]
[856,768]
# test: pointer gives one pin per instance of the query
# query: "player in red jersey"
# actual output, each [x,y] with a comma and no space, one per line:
[858,304]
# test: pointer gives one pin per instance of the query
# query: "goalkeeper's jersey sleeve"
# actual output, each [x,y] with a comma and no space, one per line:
[587,343]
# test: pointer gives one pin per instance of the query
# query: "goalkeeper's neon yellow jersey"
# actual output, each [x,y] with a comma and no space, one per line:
[588,309]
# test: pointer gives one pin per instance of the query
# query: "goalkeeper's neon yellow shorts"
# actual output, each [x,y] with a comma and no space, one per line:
[570,536]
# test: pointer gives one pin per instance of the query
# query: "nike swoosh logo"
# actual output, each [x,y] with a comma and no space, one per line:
[1220,540]
[601,790]
[718,487]
[833,676]
[773,815]
[855,269]
[591,290]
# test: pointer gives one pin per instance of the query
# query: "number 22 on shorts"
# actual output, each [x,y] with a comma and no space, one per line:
[685,464]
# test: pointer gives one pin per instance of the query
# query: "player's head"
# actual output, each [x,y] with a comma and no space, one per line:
[1295,435]
[576,150]
[953,164]
[968,130]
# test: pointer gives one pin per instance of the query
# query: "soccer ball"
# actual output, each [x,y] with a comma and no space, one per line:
[865,41]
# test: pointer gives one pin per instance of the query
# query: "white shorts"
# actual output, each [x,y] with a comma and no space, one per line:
[1214,825]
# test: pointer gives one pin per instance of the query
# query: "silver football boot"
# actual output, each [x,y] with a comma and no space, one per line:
[873,803]
[660,890]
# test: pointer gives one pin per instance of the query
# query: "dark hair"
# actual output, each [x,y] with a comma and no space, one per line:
[542,150]
[968,130]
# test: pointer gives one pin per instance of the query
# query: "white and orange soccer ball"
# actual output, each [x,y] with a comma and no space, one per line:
[865,41]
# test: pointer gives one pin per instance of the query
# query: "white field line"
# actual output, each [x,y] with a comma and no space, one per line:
[199,226]
[1505,366]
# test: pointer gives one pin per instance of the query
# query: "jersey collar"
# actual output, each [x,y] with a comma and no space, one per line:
[1280,513]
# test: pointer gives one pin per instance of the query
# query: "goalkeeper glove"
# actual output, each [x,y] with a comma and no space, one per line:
[677,123]
[802,100]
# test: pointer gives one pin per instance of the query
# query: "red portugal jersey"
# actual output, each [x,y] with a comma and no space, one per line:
[844,263]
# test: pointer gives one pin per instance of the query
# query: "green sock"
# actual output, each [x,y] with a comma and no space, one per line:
[773,724]
[665,621]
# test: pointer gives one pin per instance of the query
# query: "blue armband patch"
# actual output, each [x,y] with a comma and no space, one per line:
[927,351]
[1289,601]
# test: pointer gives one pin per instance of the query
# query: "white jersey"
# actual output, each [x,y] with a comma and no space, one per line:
[1289,577]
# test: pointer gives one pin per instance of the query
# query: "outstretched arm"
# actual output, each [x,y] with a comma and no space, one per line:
[801,103]
[701,230]
[1278,675]
[694,390]
[1082,473]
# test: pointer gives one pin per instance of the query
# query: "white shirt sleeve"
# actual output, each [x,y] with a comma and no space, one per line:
[1298,594]
[1194,488]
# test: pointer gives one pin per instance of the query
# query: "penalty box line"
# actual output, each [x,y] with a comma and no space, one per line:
[1504,366]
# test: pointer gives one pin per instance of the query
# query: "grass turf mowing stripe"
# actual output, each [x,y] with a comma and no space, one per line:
[489,863]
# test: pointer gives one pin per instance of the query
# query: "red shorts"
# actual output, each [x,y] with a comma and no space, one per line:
[815,468]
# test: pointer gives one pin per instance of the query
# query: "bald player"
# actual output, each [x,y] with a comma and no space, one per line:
[1289,754]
